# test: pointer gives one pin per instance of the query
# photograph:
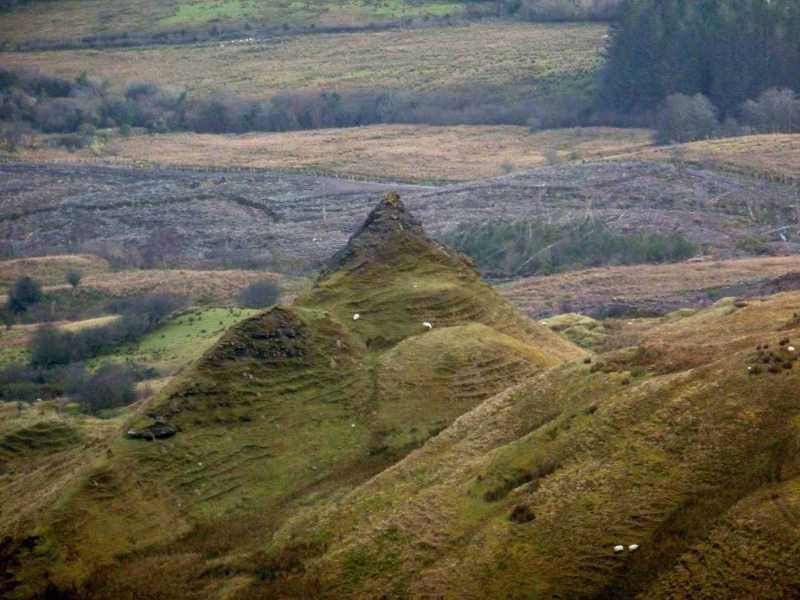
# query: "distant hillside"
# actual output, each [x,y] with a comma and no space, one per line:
[29,20]
[274,216]
[775,156]
[652,289]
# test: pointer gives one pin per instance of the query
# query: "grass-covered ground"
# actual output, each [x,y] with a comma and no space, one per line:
[683,444]
[183,339]
[91,298]
[180,341]
[402,152]
[175,344]
[69,19]
[50,270]
[519,59]
[14,344]
[201,286]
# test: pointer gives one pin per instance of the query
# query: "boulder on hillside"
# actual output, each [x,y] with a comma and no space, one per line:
[155,431]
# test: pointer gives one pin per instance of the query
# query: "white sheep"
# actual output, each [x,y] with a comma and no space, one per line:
[633,547]
[619,548]
[427,325]
[356,317]
[790,348]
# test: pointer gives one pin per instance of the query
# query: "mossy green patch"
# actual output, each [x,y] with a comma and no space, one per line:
[181,340]
[203,12]
[584,331]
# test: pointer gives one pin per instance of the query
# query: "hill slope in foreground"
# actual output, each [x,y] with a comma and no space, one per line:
[291,409]
[323,455]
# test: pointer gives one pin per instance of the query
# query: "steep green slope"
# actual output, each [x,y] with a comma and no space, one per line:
[686,445]
[290,410]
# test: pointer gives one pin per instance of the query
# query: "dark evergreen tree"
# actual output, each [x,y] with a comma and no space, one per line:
[728,50]
[23,294]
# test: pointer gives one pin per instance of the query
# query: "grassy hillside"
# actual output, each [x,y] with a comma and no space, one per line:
[518,58]
[684,444]
[404,152]
[77,18]
[291,408]
[323,455]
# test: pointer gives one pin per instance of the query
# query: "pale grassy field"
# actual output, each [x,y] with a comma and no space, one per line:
[405,152]
[203,286]
[775,156]
[50,270]
[520,58]
[214,287]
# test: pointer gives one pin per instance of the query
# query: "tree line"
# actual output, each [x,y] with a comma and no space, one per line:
[505,249]
[691,69]
[729,51]
[31,100]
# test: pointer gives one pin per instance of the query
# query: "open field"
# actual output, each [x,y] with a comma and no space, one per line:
[175,344]
[77,18]
[205,290]
[518,58]
[219,287]
[775,156]
[50,270]
[203,287]
[645,289]
[404,152]
[181,340]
